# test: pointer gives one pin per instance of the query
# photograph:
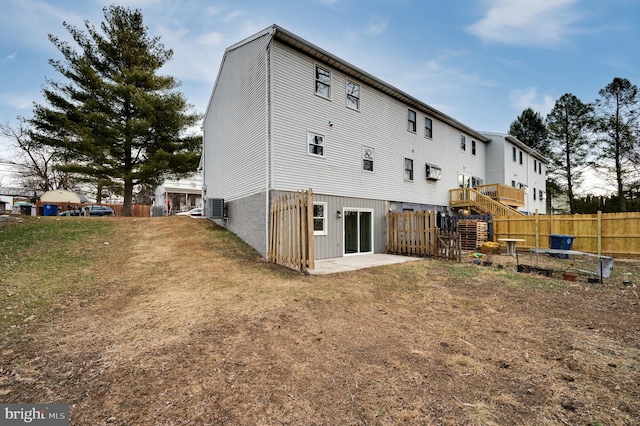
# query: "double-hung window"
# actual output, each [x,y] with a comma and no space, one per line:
[428,127]
[315,144]
[353,95]
[535,165]
[463,143]
[520,157]
[368,155]
[323,82]
[411,120]
[513,153]
[320,218]
[473,147]
[408,169]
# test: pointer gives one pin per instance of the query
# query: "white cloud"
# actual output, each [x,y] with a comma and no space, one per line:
[22,101]
[529,98]
[376,26]
[232,16]
[11,57]
[544,23]
[214,38]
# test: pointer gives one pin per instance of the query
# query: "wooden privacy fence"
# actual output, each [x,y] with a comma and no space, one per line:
[416,233]
[610,234]
[291,231]
[137,210]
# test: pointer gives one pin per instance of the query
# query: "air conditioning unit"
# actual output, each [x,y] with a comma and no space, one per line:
[217,208]
[433,172]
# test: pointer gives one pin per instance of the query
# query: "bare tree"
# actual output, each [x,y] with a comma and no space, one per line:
[36,164]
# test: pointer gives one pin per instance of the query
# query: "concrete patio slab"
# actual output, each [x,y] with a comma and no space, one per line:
[353,263]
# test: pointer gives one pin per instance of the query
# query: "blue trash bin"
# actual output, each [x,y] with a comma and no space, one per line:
[50,209]
[561,242]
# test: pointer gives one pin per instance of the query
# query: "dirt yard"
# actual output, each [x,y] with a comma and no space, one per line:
[190,327]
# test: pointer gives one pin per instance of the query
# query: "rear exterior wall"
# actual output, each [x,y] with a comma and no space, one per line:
[380,123]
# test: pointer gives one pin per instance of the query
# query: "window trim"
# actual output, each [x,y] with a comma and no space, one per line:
[324,218]
[405,170]
[414,124]
[373,160]
[430,128]
[463,143]
[514,154]
[347,94]
[473,147]
[316,80]
[324,144]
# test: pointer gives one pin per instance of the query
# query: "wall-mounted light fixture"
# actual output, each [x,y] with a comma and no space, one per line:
[339,214]
[330,123]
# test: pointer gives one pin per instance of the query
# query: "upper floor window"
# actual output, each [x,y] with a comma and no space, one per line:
[316,144]
[368,155]
[473,147]
[320,218]
[463,143]
[535,165]
[520,158]
[408,169]
[513,153]
[539,168]
[323,82]
[411,120]
[353,95]
[428,127]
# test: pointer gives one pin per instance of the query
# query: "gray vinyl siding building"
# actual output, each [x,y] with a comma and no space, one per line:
[268,131]
[511,162]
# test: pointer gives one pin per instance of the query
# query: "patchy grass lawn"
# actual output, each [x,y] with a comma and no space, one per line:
[176,321]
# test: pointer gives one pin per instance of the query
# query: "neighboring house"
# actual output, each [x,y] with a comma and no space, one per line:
[175,196]
[286,115]
[513,163]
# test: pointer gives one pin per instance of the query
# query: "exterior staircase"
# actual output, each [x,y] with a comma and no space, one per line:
[477,201]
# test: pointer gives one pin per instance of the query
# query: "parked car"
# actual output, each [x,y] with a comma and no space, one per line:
[197,212]
[93,211]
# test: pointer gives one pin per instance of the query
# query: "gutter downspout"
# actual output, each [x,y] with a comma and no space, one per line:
[267,162]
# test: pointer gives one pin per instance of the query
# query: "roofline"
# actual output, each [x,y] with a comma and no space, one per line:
[300,44]
[520,145]
[314,51]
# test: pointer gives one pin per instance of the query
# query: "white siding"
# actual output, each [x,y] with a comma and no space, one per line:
[501,168]
[381,124]
[235,125]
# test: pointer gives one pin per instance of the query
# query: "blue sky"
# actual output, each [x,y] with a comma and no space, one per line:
[480,61]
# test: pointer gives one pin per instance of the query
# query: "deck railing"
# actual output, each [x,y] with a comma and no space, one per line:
[503,193]
[469,197]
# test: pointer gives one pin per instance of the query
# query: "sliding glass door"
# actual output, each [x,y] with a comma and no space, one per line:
[358,231]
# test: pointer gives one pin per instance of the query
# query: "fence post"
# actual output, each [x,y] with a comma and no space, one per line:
[310,237]
[599,233]
[537,230]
